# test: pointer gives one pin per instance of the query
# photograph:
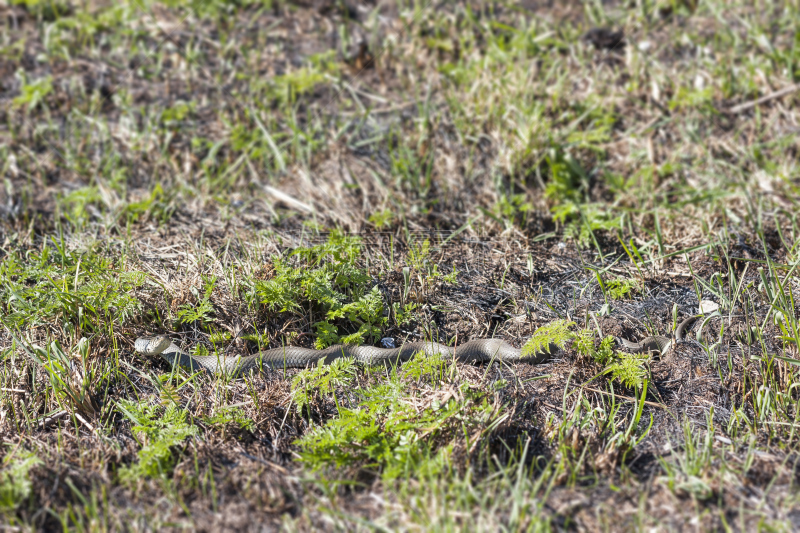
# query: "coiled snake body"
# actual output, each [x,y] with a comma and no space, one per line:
[474,351]
[658,343]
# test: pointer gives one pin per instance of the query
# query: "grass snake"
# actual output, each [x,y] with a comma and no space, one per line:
[473,351]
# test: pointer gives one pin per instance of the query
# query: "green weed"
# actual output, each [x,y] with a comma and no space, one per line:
[83,290]
[33,93]
[74,385]
[201,312]
[161,430]
[384,433]
[230,415]
[405,314]
[584,344]
[322,380]
[382,219]
[629,369]
[328,280]
[619,288]
[15,483]
[556,332]
[511,210]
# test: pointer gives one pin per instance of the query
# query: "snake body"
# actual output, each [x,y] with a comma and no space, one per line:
[474,351]
[658,343]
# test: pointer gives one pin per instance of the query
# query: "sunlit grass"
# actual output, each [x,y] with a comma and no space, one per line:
[196,168]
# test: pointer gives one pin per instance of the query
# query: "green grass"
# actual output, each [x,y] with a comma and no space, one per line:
[485,179]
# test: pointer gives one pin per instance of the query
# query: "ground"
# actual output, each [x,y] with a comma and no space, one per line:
[248,174]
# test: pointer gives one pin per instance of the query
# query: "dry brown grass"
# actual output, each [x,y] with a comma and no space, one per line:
[149,149]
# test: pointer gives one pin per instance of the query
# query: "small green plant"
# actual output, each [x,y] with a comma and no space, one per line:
[418,254]
[158,206]
[327,335]
[230,415]
[385,432]
[177,113]
[510,210]
[620,288]
[411,165]
[452,277]
[219,337]
[366,312]
[426,367]
[15,483]
[73,384]
[74,205]
[261,339]
[288,87]
[34,92]
[583,221]
[381,219]
[690,97]
[160,430]
[203,311]
[200,350]
[326,279]
[322,379]
[629,369]
[584,342]
[556,332]
[567,179]
[405,314]
[584,345]
[605,352]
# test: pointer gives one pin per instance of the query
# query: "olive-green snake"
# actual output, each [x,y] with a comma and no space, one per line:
[476,350]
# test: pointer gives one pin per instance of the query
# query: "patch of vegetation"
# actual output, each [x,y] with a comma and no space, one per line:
[159,431]
[620,288]
[201,312]
[327,279]
[15,483]
[421,263]
[322,380]
[583,222]
[405,314]
[628,368]
[33,93]
[381,219]
[82,290]
[386,433]
[74,383]
[556,332]
[226,415]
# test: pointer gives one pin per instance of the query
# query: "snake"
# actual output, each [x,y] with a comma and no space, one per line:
[658,343]
[473,351]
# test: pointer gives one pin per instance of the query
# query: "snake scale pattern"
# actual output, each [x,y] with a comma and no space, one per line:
[474,351]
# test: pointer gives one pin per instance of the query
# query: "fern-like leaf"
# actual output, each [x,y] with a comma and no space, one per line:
[628,369]
[556,332]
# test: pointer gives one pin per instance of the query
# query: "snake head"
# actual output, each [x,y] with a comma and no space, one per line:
[152,345]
